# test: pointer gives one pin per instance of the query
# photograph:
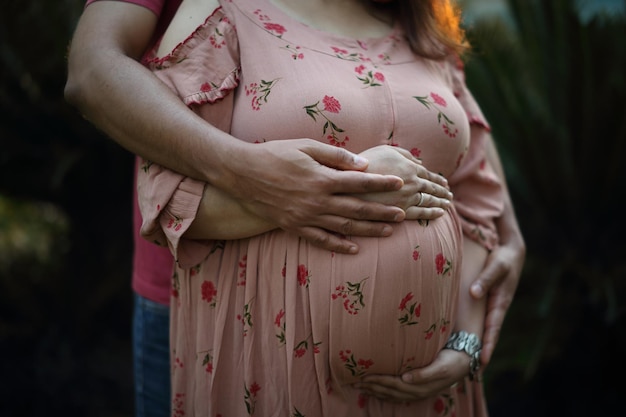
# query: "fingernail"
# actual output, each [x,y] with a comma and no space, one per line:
[477,290]
[353,249]
[359,160]
[407,378]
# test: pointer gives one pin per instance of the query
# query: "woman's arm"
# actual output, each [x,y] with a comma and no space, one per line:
[499,279]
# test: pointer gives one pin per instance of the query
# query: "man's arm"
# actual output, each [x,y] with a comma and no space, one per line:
[302,186]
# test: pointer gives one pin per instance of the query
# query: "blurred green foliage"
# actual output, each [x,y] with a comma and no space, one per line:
[65,232]
[554,90]
[552,87]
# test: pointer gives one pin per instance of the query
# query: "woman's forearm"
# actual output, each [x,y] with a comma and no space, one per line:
[470,311]
[222,217]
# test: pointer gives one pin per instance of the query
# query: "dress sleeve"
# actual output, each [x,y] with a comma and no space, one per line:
[202,70]
[478,190]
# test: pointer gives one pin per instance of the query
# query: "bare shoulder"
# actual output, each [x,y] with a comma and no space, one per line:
[190,15]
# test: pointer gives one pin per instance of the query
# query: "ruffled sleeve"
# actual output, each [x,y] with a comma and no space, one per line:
[202,70]
[478,190]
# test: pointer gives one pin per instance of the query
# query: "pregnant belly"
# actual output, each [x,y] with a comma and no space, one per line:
[391,308]
[385,310]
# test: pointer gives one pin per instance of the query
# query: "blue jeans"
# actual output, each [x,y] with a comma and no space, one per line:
[151,356]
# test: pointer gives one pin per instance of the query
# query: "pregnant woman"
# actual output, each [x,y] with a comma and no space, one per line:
[263,322]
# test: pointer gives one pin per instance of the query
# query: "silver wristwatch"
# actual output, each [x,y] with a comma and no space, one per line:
[469,343]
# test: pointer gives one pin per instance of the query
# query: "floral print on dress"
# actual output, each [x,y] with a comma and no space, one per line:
[246,318]
[444,405]
[175,223]
[178,405]
[362,400]
[442,325]
[330,129]
[295,51]
[243,266]
[303,346]
[209,292]
[207,363]
[279,322]
[216,39]
[436,101]
[250,397]
[369,78]
[275,29]
[416,253]
[259,92]
[409,313]
[357,367]
[178,363]
[352,295]
[195,270]
[443,265]
[304,277]
[175,285]
[346,55]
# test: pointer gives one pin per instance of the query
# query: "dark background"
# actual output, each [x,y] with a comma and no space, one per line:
[552,85]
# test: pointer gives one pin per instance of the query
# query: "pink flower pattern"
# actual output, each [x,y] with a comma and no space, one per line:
[303,276]
[295,51]
[409,313]
[352,295]
[444,405]
[209,292]
[436,101]
[443,265]
[330,129]
[260,92]
[250,397]
[369,78]
[280,323]
[303,346]
[207,362]
[175,223]
[357,367]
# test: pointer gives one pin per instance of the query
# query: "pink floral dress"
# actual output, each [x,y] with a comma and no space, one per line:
[271,325]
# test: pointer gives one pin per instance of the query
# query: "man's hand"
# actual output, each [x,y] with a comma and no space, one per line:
[313,190]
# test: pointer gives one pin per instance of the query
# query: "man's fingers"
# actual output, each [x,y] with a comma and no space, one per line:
[334,157]
[338,242]
[356,182]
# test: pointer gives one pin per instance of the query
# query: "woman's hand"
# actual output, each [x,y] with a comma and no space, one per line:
[424,194]
[448,368]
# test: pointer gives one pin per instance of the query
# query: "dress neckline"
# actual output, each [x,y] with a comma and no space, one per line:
[324,35]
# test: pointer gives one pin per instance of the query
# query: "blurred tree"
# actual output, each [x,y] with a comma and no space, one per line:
[64,318]
[553,87]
